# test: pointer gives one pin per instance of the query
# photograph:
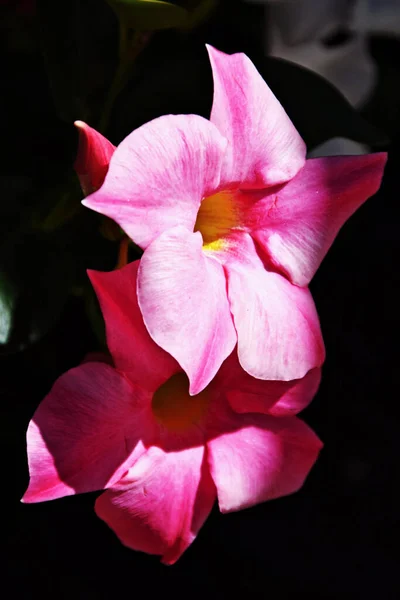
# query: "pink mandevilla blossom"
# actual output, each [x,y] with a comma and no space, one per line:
[234,222]
[163,456]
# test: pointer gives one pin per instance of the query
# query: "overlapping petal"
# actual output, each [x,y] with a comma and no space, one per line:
[85,434]
[279,335]
[159,174]
[129,342]
[186,305]
[298,396]
[264,147]
[278,398]
[255,458]
[182,297]
[161,503]
[297,223]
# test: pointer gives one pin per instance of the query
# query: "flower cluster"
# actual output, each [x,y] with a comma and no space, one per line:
[214,336]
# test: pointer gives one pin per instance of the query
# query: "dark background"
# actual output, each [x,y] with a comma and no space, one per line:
[338,536]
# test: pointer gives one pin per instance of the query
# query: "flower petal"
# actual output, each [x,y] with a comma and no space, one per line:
[84,435]
[133,350]
[277,398]
[162,502]
[298,396]
[244,392]
[93,158]
[264,147]
[254,458]
[277,325]
[182,296]
[299,226]
[159,174]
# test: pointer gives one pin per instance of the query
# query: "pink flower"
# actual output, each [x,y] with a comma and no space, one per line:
[234,223]
[162,455]
[93,158]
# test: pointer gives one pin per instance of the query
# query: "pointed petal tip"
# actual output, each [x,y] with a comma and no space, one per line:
[92,274]
[166,519]
[89,204]
[173,555]
[262,152]
[32,497]
[381,159]
[212,51]
[95,278]
[196,386]
[93,157]
[378,158]
[28,499]
[216,55]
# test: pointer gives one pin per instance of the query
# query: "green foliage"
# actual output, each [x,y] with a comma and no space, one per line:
[318,110]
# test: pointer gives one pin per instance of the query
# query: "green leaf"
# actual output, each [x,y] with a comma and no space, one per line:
[149,15]
[318,110]
[184,85]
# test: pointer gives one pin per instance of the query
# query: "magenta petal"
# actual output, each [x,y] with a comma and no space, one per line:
[277,398]
[182,296]
[133,350]
[244,392]
[162,502]
[85,434]
[298,396]
[264,147]
[93,158]
[254,458]
[159,175]
[277,325]
[298,228]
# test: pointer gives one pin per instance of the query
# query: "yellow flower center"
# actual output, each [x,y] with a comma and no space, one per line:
[173,406]
[216,218]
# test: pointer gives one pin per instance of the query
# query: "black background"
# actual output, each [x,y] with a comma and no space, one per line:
[338,536]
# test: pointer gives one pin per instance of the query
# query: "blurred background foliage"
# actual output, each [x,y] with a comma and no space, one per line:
[116,65]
